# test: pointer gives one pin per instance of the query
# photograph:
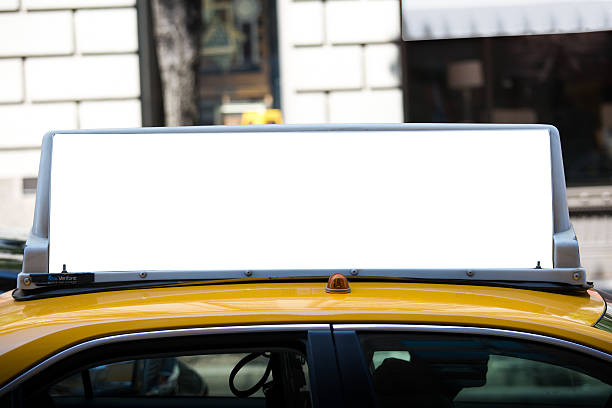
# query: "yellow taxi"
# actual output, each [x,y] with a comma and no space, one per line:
[304,266]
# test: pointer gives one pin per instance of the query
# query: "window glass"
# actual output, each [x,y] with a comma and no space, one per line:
[464,371]
[119,378]
[71,386]
[238,64]
[560,79]
[379,357]
[216,368]
[258,374]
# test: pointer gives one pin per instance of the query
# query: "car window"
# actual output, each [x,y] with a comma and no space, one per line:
[468,371]
[254,374]
[195,375]
[238,366]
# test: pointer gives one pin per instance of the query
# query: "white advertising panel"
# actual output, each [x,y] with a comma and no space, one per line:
[301,200]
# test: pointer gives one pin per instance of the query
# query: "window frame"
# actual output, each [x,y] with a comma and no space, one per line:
[338,373]
[429,329]
[350,333]
[305,338]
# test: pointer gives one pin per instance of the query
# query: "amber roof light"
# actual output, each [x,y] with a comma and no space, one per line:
[337,283]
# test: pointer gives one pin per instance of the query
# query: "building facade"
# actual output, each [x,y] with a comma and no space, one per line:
[64,64]
[93,64]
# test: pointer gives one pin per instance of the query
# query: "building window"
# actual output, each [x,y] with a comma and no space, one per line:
[238,60]
[560,79]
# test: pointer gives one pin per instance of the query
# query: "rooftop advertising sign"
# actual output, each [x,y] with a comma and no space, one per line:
[274,201]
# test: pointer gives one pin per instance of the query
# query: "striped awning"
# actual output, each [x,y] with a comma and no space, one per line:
[439,19]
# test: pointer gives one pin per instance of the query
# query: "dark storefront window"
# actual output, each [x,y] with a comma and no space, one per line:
[238,60]
[557,79]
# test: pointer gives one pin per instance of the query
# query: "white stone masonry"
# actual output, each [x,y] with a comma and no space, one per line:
[64,64]
[340,61]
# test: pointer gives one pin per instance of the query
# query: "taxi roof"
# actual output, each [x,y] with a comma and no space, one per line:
[510,224]
[31,331]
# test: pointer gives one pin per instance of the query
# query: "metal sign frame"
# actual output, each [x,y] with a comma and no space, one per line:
[566,260]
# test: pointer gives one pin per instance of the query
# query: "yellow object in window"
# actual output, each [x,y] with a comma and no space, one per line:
[267,117]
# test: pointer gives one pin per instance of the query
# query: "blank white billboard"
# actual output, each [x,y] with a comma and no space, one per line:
[301,200]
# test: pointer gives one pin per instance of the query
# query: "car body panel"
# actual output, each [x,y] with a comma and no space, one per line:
[33,330]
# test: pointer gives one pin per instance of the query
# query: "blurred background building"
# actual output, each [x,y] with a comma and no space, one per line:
[123,63]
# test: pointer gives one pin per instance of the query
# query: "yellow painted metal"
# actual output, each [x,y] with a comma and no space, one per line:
[33,330]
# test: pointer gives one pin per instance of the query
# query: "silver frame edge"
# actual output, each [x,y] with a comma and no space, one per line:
[573,276]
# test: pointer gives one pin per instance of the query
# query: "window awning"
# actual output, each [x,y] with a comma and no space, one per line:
[440,19]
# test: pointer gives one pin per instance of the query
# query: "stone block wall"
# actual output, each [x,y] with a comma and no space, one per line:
[64,64]
[340,61]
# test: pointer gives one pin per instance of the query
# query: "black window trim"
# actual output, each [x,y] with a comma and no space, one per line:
[355,380]
[478,331]
[152,335]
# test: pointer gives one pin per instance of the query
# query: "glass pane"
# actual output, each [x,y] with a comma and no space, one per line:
[256,375]
[114,379]
[238,66]
[216,368]
[380,356]
[463,371]
[519,381]
[560,79]
[71,386]
[307,200]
